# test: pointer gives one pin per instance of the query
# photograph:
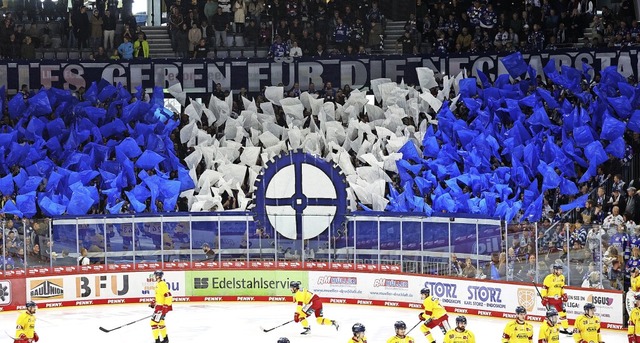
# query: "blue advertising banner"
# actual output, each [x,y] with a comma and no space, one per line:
[199,77]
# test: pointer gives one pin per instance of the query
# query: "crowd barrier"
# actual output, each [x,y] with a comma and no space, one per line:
[373,259]
[92,286]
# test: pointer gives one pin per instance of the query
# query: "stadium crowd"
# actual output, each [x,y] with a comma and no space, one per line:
[316,28]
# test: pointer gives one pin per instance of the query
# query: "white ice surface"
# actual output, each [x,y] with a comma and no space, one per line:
[240,322]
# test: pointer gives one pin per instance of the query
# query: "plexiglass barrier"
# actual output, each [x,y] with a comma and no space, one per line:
[453,246]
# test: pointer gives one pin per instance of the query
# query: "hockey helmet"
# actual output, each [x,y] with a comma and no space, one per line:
[400,325]
[521,310]
[357,327]
[283,340]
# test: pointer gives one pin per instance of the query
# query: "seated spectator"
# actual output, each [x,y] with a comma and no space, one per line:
[464,39]
[83,260]
[612,221]
[616,275]
[101,55]
[209,254]
[202,50]
[115,56]
[278,48]
[295,50]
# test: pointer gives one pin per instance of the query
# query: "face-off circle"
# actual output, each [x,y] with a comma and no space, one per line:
[299,196]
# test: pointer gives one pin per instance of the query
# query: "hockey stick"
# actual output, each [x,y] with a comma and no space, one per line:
[418,323]
[540,294]
[121,326]
[13,338]
[275,327]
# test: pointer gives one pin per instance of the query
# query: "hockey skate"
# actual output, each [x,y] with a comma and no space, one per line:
[334,323]
[166,339]
[306,331]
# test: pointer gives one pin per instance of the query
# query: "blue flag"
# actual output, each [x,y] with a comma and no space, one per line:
[514,64]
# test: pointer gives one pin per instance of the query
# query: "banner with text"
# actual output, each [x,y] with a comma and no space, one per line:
[89,287]
[460,295]
[199,77]
[242,282]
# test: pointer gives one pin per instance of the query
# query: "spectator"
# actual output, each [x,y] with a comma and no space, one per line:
[96,29]
[202,50]
[127,33]
[251,34]
[612,221]
[220,26]
[210,9]
[115,56]
[126,49]
[183,41]
[207,33]
[175,25]
[278,48]
[631,204]
[101,55]
[12,48]
[464,39]
[141,47]
[28,50]
[209,254]
[295,50]
[616,275]
[82,27]
[195,34]
[83,260]
[375,37]
[109,29]
[341,34]
[406,42]
[239,15]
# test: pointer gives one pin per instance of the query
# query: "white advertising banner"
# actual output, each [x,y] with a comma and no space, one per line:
[460,295]
[88,287]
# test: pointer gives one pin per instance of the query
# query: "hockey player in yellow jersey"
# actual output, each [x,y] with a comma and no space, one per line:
[358,334]
[283,340]
[518,330]
[550,329]
[433,315]
[553,295]
[633,331]
[460,334]
[308,303]
[635,280]
[401,336]
[26,325]
[161,305]
[587,326]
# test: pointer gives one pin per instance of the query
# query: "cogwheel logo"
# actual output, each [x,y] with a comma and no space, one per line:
[5,293]
[299,196]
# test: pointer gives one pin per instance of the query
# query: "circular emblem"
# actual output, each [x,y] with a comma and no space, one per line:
[299,196]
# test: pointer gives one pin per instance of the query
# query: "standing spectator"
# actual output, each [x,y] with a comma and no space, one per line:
[28,50]
[220,26]
[375,37]
[464,39]
[126,49]
[341,34]
[109,29]
[202,50]
[127,33]
[407,43]
[226,7]
[82,27]
[183,41]
[12,48]
[194,38]
[631,204]
[141,47]
[207,33]
[175,25]
[210,9]
[251,33]
[239,15]
[96,29]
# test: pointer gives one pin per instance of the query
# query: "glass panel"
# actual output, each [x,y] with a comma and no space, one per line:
[120,241]
[435,247]
[175,240]
[491,257]
[65,242]
[204,239]
[234,241]
[411,246]
[148,240]
[367,241]
[390,242]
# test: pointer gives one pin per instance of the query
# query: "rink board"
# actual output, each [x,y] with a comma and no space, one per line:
[471,296]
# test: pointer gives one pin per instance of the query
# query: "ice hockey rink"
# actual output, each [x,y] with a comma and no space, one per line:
[240,322]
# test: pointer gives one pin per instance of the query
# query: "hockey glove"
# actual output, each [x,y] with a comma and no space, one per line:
[545,302]
[565,297]
[421,316]
[153,304]
[296,317]
[166,309]
[632,338]
[35,337]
